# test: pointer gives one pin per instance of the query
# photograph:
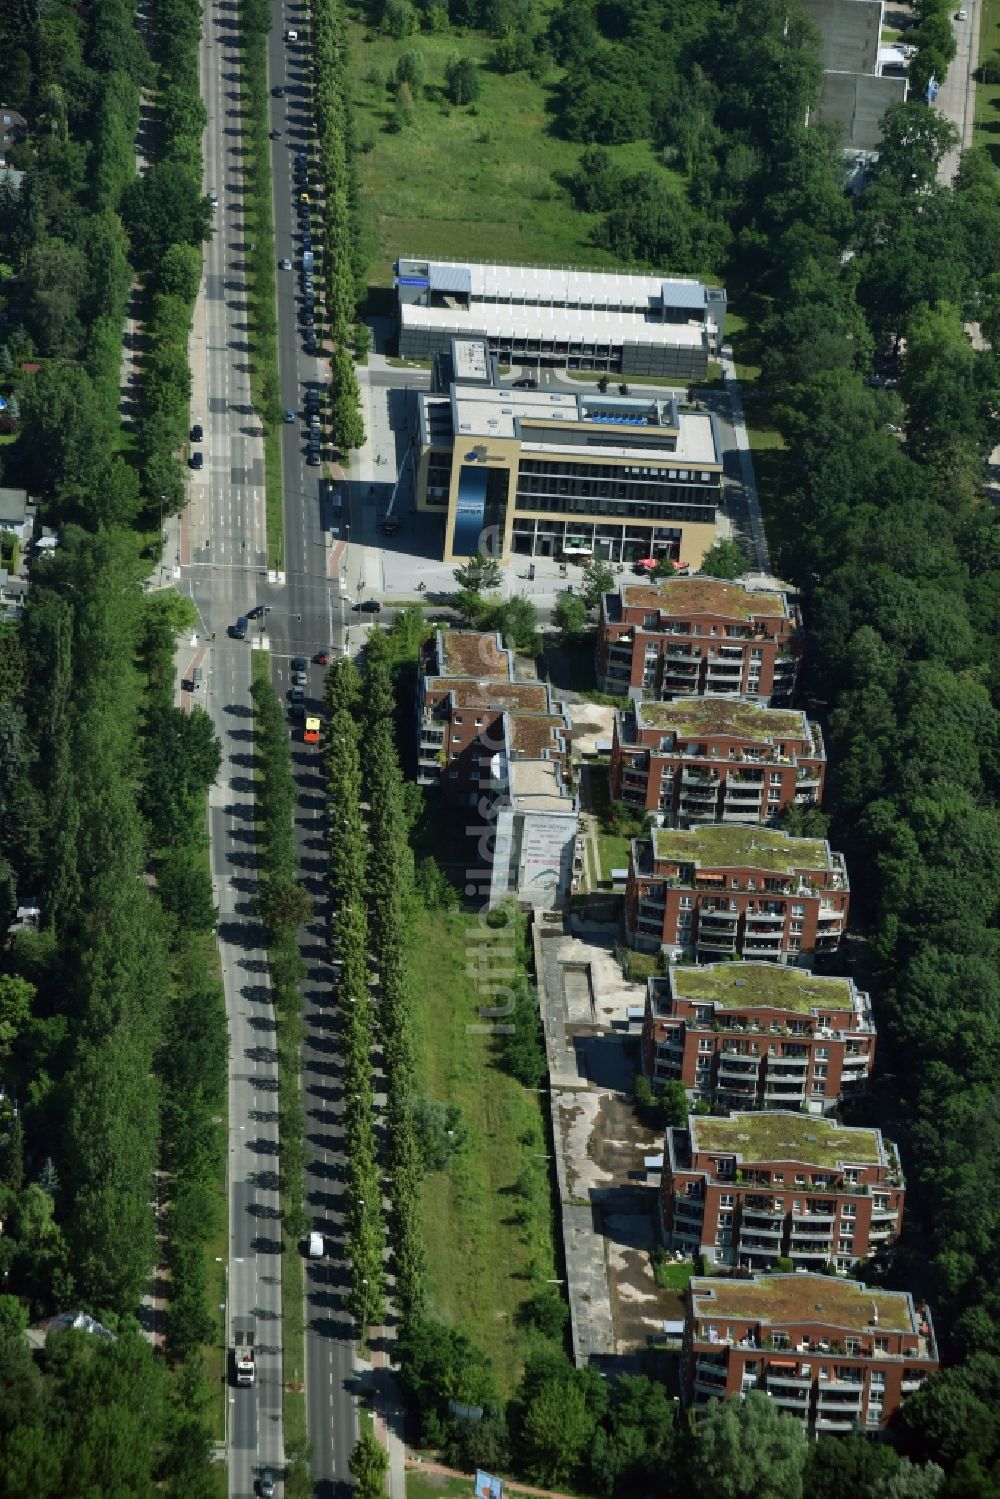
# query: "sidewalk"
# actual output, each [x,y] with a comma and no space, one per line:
[508,1483]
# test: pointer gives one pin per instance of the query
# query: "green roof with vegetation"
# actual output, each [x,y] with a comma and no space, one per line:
[780,1299]
[786,1137]
[701,595]
[762,985]
[722,715]
[732,846]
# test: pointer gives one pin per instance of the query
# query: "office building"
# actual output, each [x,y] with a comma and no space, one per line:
[558,473]
[715,759]
[546,316]
[750,1189]
[836,1354]
[734,891]
[683,637]
[758,1036]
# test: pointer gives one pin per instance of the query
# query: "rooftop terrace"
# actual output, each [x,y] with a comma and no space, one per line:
[700,595]
[532,734]
[778,1300]
[804,1138]
[762,985]
[725,716]
[471,653]
[723,846]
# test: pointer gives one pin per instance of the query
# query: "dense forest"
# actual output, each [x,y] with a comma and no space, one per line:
[112,1024]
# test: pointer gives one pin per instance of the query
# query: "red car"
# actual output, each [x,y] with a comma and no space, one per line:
[321,658]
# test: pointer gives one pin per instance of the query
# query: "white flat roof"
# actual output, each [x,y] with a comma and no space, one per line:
[564,323]
[535,787]
[484,412]
[558,282]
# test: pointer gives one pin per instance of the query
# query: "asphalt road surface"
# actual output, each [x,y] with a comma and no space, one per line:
[226,535]
[308,615]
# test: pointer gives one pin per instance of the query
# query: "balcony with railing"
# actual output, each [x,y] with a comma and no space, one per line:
[765,916]
[738,1064]
[718,916]
[787,1066]
[784,1094]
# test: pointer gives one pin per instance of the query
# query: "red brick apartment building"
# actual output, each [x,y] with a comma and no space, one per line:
[748,1189]
[735,891]
[687,636]
[832,1352]
[716,759]
[758,1036]
[470,708]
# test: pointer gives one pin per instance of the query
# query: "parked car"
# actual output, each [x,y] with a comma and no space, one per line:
[289,416]
[321,658]
[266,1484]
[196,433]
[368,606]
[197,461]
[285,264]
[313,459]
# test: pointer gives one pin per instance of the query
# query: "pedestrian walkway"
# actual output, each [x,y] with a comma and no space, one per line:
[745,506]
[508,1483]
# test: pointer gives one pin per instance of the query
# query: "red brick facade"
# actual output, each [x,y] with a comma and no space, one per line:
[755,1035]
[745,891]
[684,637]
[716,759]
[833,1353]
[751,1188]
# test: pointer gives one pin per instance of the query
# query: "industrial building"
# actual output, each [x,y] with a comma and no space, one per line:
[855,91]
[559,473]
[578,320]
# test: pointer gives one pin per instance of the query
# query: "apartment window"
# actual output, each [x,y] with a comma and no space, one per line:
[456,738]
[794,944]
[800,1180]
[724,1238]
[775,777]
[774,794]
[850,1210]
[881,1345]
[853,1347]
[727,1200]
[880,1203]
[819,1088]
[687,901]
[703,1012]
[725,1220]
[798,910]
[820,1070]
[823,1052]
[705,1045]
[874,1414]
[878,1379]
[458,718]
[843,1266]
[797,928]
[756,654]
[479,723]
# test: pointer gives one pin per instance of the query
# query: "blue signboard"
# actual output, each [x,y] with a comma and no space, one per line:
[470,510]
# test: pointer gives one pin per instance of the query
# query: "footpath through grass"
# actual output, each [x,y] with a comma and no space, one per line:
[487,1248]
[487,181]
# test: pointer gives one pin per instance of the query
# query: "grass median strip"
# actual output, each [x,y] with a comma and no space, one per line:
[259,255]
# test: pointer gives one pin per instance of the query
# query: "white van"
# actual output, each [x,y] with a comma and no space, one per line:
[315,1246]
[291,36]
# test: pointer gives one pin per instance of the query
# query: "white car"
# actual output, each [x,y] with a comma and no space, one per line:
[291,36]
[286,264]
[961,15]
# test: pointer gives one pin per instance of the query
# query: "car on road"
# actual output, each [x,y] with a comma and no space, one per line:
[258,611]
[321,658]
[213,198]
[289,417]
[286,264]
[278,92]
[275,134]
[291,36]
[528,383]
[296,710]
[297,695]
[298,663]
[197,461]
[266,1484]
[196,434]
[238,631]
[299,679]
[368,606]
[961,15]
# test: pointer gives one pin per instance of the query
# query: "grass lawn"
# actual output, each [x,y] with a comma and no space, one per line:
[613,850]
[674,1276]
[436,1486]
[987,126]
[481,1262]
[485,181]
